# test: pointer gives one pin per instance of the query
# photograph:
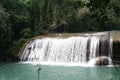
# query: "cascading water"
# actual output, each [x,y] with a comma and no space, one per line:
[78,49]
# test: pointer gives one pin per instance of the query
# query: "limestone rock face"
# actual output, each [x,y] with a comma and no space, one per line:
[102,61]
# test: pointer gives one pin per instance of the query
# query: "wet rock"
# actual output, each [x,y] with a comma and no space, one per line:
[102,61]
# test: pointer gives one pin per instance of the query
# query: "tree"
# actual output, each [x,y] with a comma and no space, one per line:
[105,12]
[5,32]
[14,18]
[18,15]
[35,9]
[99,10]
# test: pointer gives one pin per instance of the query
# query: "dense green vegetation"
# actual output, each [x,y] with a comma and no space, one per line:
[23,19]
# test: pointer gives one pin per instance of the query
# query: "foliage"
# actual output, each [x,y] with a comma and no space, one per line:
[105,12]
[13,51]
[37,18]
[14,18]
[26,33]
[4,26]
[5,31]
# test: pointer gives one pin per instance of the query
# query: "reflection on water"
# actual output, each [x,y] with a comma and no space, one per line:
[17,71]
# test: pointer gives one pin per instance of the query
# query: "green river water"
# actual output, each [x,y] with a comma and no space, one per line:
[18,71]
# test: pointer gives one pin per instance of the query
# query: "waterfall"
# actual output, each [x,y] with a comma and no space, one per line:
[94,47]
[77,49]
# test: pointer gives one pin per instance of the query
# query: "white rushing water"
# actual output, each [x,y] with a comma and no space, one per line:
[73,50]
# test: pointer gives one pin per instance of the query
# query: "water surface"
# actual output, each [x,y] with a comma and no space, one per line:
[18,71]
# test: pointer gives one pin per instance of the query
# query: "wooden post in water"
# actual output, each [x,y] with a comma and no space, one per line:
[38,67]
